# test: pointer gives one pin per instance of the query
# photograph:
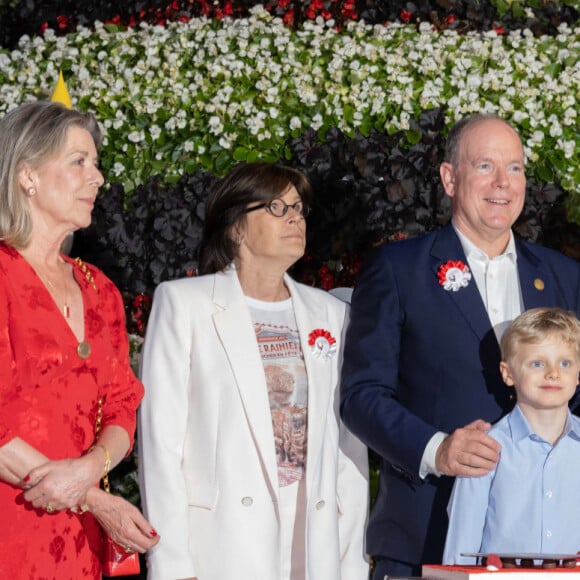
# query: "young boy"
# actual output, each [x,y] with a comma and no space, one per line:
[531,502]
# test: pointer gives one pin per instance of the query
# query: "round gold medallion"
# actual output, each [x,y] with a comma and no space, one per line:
[84,349]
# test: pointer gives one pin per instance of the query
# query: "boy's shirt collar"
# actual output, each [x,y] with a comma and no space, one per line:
[521,429]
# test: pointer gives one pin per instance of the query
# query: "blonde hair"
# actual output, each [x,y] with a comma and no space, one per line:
[534,325]
[31,134]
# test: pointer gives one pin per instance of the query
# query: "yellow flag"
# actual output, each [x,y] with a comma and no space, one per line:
[60,93]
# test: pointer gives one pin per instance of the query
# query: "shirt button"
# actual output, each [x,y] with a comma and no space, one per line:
[548,534]
[247,501]
[320,504]
[548,494]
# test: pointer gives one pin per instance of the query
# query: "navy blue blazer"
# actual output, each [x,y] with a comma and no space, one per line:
[419,359]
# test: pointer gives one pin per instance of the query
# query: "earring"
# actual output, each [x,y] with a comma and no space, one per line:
[31,191]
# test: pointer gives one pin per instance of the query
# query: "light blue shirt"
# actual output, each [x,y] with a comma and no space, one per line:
[529,503]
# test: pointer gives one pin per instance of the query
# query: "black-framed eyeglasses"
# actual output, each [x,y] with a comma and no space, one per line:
[279,208]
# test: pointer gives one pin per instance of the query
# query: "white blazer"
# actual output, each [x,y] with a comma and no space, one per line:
[207,463]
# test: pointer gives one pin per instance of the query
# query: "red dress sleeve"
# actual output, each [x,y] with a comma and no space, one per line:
[122,391]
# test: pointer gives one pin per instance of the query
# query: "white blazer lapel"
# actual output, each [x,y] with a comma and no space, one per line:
[236,332]
[319,371]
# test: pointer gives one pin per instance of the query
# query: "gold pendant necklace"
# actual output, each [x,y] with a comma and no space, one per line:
[65,306]
[84,349]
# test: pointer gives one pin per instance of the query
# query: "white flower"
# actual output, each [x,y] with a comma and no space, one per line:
[136,136]
[295,123]
[118,169]
[155,132]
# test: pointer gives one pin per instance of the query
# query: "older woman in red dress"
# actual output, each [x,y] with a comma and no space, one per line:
[63,358]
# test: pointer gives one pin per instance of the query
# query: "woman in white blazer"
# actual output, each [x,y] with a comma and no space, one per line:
[245,468]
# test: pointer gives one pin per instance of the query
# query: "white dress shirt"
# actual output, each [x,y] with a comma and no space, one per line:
[497,281]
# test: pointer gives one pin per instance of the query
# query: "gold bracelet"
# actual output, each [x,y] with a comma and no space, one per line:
[107,465]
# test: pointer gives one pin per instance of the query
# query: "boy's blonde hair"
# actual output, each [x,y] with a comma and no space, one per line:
[534,325]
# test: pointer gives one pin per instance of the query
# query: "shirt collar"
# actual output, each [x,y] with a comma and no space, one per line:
[471,250]
[520,428]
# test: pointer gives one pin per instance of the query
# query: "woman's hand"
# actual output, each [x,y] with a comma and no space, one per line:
[62,484]
[121,521]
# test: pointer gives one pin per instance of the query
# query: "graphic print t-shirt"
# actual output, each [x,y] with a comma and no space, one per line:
[279,344]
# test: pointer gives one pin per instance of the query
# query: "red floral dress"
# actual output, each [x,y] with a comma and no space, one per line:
[48,398]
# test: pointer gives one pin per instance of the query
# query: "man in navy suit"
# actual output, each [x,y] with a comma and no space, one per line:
[420,381]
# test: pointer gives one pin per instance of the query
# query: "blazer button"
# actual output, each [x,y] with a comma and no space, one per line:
[247,501]
[320,504]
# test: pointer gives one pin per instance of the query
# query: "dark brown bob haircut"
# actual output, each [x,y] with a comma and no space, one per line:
[246,183]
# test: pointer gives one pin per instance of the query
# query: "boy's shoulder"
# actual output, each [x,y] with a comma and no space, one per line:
[501,429]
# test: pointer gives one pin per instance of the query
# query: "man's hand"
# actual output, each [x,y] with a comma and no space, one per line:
[468,451]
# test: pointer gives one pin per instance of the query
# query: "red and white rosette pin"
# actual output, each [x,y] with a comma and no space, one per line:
[453,275]
[323,343]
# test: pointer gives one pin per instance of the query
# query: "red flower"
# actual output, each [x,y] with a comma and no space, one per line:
[62,21]
[499,30]
[406,16]
[114,20]
[450,18]
[289,17]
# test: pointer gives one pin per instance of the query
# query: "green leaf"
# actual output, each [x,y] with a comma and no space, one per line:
[253,155]
[545,173]
[240,153]
[222,162]
[413,136]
